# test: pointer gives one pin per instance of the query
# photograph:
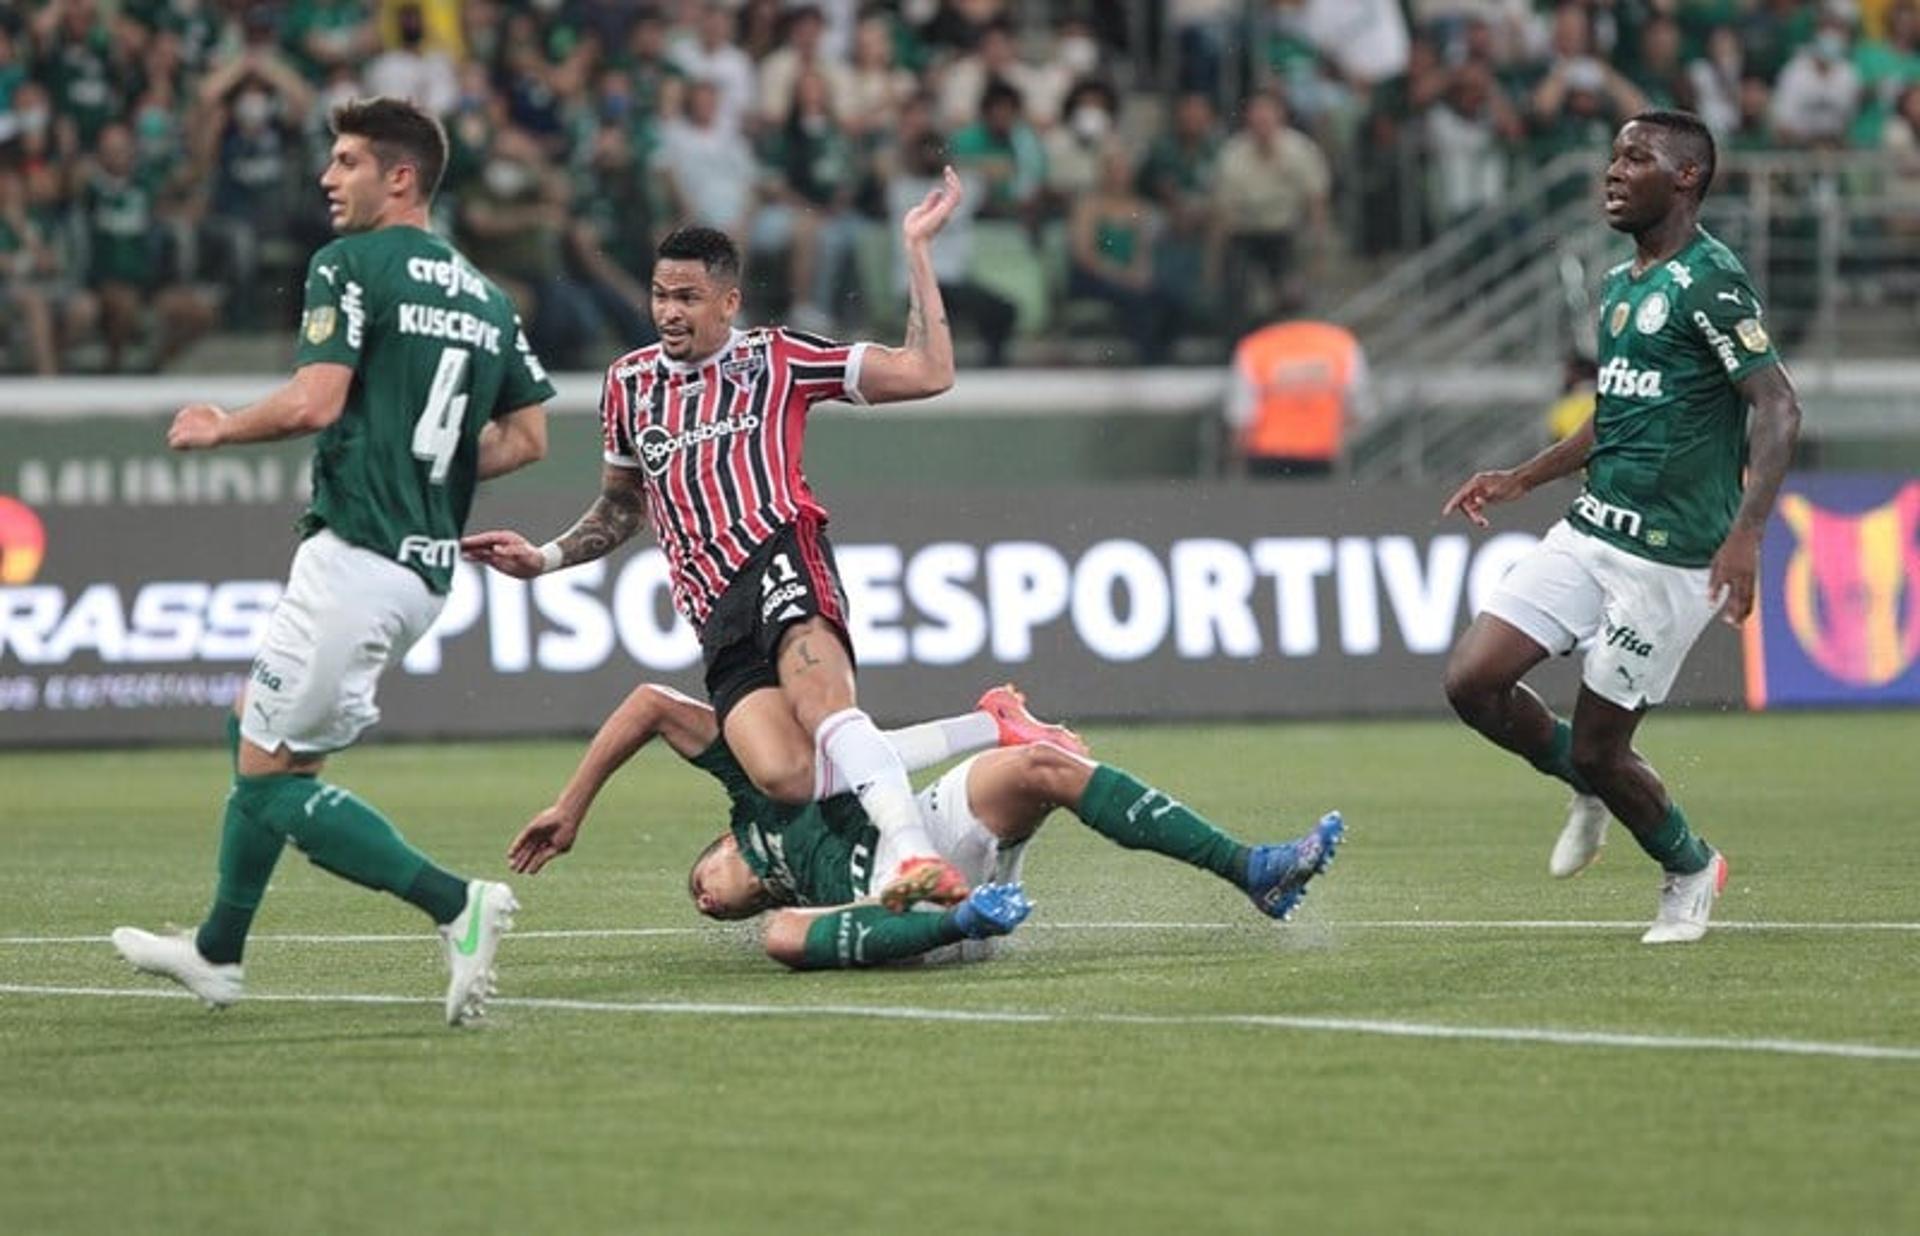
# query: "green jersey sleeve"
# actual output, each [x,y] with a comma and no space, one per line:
[1724,311]
[333,326]
[526,381]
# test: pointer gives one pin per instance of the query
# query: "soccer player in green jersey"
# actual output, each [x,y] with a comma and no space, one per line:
[1665,533]
[414,371]
[820,865]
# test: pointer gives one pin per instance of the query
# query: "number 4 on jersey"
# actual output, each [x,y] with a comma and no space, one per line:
[436,435]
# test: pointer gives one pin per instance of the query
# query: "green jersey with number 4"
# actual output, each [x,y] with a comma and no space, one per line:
[1670,428]
[817,854]
[436,352]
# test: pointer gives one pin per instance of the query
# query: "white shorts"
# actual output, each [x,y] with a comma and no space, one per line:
[347,613]
[958,835]
[1635,619]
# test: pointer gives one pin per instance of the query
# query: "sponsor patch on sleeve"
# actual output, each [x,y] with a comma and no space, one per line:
[320,323]
[1753,336]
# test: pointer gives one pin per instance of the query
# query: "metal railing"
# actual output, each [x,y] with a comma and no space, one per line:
[1832,245]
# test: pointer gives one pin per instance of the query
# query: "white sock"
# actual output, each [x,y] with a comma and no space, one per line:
[1009,859]
[850,745]
[919,746]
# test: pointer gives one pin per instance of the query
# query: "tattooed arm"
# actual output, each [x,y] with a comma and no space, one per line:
[923,365]
[618,513]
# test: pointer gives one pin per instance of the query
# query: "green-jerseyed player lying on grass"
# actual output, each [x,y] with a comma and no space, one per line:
[814,866]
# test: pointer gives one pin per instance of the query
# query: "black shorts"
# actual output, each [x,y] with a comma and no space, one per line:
[789,578]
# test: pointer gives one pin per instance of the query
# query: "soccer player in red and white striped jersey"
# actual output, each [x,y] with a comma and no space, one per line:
[702,439]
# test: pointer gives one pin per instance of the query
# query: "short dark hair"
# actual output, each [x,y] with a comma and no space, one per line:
[1000,91]
[397,131]
[1693,141]
[709,246]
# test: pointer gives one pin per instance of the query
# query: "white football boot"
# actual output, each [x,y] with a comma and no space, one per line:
[1580,840]
[470,941]
[177,957]
[1686,902]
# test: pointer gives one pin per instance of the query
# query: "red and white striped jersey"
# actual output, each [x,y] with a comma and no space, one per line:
[719,440]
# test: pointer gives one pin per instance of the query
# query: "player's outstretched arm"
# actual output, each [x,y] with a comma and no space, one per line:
[648,712]
[923,365]
[308,402]
[1774,430]
[618,513]
[1485,489]
[513,441]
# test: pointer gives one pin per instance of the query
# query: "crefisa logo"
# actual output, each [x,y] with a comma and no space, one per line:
[23,542]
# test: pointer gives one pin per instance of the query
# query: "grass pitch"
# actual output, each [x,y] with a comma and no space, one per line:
[1419,1051]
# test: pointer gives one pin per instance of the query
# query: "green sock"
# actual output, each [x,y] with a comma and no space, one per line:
[248,852]
[873,935]
[1674,846]
[1139,817]
[1557,759]
[348,837]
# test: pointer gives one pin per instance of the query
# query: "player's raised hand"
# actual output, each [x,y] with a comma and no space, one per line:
[506,552]
[926,219]
[546,837]
[1482,490]
[1730,576]
[196,427]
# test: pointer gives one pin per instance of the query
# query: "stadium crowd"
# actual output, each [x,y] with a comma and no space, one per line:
[1142,169]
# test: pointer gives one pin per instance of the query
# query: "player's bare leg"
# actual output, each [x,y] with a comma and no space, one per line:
[772,746]
[1483,684]
[1695,872]
[816,674]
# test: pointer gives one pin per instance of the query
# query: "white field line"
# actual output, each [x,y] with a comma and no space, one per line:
[1382,924]
[1258,1021]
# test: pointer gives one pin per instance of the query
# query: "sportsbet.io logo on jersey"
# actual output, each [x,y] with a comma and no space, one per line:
[657,446]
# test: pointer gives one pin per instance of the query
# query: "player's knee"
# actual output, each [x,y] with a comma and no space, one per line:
[786,938]
[1466,691]
[1050,772]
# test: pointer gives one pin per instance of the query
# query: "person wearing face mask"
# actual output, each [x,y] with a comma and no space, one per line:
[81,64]
[609,240]
[1818,94]
[413,70]
[123,266]
[809,212]
[1075,145]
[1715,79]
[801,52]
[513,224]
[39,305]
[263,104]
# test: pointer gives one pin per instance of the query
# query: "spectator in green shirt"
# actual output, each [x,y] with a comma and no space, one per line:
[1004,153]
[124,266]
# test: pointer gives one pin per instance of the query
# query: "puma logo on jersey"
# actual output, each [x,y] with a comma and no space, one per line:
[1622,380]
[1732,296]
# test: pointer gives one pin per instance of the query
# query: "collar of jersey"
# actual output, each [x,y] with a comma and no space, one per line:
[1699,234]
[673,366]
